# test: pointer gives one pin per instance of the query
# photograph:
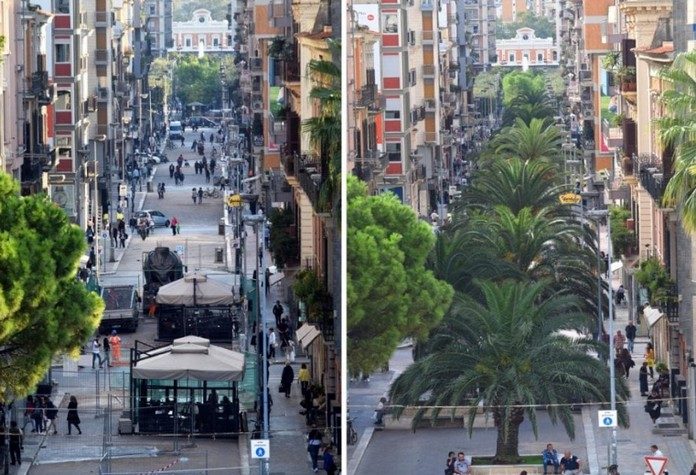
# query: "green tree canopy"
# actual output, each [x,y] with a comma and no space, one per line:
[44,309]
[525,97]
[678,132]
[498,353]
[543,28]
[198,79]
[391,295]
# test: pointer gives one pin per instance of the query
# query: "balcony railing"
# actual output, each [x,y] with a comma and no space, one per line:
[101,57]
[428,70]
[311,181]
[653,181]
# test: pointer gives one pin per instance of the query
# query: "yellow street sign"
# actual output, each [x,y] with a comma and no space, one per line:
[570,199]
[234,201]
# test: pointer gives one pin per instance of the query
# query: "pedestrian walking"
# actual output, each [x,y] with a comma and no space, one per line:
[620,295]
[260,257]
[286,379]
[115,342]
[630,335]
[200,195]
[619,341]
[73,417]
[303,378]
[194,195]
[96,352]
[51,414]
[173,223]
[643,379]
[277,312]
[313,446]
[182,141]
[107,352]
[267,280]
[272,343]
[653,406]
[171,170]
[207,175]
[122,236]
[329,463]
[626,361]
[28,413]
[16,444]
[132,223]
[650,359]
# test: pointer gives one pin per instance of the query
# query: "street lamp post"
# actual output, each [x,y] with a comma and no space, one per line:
[255,220]
[612,369]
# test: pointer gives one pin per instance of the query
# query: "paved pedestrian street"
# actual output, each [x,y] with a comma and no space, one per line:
[198,241]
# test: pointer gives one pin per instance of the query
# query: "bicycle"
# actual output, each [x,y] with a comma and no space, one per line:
[211,193]
[352,433]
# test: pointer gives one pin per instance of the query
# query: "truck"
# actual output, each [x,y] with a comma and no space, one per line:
[121,308]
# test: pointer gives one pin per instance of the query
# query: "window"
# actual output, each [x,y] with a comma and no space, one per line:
[511,58]
[540,57]
[153,9]
[392,108]
[216,41]
[63,53]
[187,42]
[394,151]
[391,23]
[392,114]
[63,102]
[63,6]
[201,42]
[554,55]
[412,77]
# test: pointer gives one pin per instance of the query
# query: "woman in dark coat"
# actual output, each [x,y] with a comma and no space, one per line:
[643,379]
[73,417]
[287,378]
[653,406]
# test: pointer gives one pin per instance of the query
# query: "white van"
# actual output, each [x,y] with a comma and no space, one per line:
[175,130]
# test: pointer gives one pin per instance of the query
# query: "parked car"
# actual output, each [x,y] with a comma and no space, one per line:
[157,217]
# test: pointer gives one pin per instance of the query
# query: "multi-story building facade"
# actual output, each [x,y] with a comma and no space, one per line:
[158,24]
[276,41]
[10,140]
[201,34]
[510,9]
[526,50]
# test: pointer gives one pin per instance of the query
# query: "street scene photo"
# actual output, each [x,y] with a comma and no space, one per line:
[520,266]
[170,244]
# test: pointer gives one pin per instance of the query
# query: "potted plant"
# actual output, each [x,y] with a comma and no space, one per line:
[626,75]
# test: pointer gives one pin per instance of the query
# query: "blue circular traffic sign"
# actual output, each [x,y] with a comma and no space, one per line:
[260,451]
[608,421]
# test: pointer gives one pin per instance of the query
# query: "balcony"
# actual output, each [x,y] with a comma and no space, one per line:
[426,5]
[367,96]
[428,37]
[102,19]
[613,135]
[428,71]
[430,137]
[101,57]
[256,65]
[291,72]
[311,181]
[669,304]
[430,105]
[653,181]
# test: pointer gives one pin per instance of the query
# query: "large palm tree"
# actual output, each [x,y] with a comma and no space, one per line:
[516,184]
[324,129]
[533,140]
[678,131]
[508,354]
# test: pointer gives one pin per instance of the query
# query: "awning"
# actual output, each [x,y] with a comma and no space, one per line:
[191,357]
[616,266]
[306,334]
[652,315]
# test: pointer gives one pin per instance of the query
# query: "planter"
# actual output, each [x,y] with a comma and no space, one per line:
[506,469]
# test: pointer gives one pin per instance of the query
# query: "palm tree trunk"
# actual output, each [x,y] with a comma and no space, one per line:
[507,444]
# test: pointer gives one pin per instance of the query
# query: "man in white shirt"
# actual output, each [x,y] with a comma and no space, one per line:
[655,452]
[272,343]
[96,352]
[461,466]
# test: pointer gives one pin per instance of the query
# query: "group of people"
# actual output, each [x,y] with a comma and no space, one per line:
[175,170]
[197,194]
[111,348]
[569,464]
[315,442]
